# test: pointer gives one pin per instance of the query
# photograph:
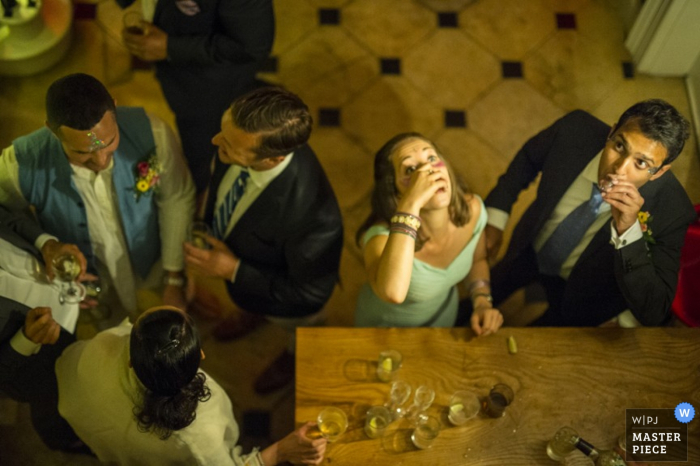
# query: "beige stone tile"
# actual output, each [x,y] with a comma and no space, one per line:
[599,22]
[294,20]
[510,114]
[508,28]
[387,27]
[324,52]
[347,164]
[567,6]
[451,69]
[478,163]
[575,71]
[391,105]
[687,166]
[446,5]
[329,3]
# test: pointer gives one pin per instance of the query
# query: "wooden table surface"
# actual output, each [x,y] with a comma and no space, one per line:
[583,378]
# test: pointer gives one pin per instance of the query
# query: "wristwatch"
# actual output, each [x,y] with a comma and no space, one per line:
[488,297]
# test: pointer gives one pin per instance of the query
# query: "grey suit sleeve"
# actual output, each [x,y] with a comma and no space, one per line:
[21,225]
[249,27]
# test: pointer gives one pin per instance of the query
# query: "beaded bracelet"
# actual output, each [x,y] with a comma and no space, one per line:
[479,284]
[403,229]
[407,219]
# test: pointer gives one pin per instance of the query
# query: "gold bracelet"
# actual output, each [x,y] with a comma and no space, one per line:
[407,219]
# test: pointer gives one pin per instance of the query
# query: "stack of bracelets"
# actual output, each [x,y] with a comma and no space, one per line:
[405,223]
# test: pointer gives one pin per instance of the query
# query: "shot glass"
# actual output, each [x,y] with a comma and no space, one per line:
[423,397]
[133,23]
[332,422]
[464,405]
[389,362]
[424,434]
[378,418]
[500,396]
[196,235]
[399,393]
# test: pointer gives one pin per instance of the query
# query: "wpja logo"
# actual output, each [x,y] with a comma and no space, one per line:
[658,434]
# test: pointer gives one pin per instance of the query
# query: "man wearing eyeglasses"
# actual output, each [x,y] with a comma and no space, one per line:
[604,235]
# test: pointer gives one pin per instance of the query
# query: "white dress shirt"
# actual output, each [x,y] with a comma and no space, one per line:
[175,200]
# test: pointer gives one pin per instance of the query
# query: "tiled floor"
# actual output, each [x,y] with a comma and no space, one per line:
[478,77]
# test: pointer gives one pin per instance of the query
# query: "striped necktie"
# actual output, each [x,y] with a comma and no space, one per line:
[568,234]
[225,210]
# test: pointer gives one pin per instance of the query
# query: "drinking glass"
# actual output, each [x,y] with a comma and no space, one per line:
[389,362]
[464,405]
[378,418]
[196,234]
[132,21]
[422,399]
[425,432]
[332,422]
[67,268]
[400,391]
[500,396]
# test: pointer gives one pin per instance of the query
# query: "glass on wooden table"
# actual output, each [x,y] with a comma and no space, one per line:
[500,396]
[464,405]
[398,395]
[425,432]
[197,235]
[389,362]
[67,269]
[378,418]
[422,399]
[332,422]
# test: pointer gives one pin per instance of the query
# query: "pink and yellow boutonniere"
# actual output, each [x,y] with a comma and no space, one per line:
[147,175]
[644,219]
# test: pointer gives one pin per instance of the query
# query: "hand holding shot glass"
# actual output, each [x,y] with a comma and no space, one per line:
[332,422]
[197,235]
[67,269]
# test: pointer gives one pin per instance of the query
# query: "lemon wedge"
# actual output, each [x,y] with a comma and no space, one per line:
[387,365]
[457,408]
[373,423]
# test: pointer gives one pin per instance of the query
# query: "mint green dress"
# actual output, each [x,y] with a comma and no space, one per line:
[432,298]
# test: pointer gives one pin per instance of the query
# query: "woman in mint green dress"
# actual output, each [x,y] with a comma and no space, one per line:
[423,236]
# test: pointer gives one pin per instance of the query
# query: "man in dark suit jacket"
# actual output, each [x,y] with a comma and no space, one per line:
[629,257]
[281,232]
[206,54]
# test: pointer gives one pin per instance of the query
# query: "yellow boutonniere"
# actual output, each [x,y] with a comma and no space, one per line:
[147,174]
[644,219]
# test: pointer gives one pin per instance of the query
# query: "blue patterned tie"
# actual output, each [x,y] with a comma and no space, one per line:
[223,213]
[568,234]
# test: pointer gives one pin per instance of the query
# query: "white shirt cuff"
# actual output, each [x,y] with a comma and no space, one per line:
[42,239]
[632,234]
[497,218]
[24,345]
[235,272]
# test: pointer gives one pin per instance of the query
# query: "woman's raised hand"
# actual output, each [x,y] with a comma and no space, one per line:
[425,182]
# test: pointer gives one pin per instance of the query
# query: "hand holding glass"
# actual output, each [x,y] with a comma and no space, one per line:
[67,269]
[332,422]
[197,233]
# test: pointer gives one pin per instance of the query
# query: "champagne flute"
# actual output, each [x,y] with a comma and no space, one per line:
[422,399]
[196,234]
[400,391]
[67,269]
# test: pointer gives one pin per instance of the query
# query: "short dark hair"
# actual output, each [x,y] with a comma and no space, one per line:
[385,195]
[660,121]
[78,101]
[165,353]
[281,116]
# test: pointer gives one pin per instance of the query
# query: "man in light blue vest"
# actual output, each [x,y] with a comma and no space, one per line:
[111,180]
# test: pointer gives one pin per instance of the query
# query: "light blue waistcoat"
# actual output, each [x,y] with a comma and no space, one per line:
[46,182]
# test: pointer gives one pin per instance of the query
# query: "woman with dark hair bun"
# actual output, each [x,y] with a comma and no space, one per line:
[423,237]
[136,396]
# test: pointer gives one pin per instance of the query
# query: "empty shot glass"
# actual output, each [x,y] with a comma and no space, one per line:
[399,393]
[332,422]
[425,432]
[389,362]
[422,399]
[464,405]
[378,418]
[500,396]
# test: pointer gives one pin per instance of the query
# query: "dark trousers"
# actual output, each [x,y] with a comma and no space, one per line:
[32,379]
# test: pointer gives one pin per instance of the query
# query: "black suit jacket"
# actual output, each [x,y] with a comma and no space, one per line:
[20,231]
[640,276]
[289,241]
[214,54]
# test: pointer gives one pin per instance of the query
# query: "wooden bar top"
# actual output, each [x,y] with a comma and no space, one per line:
[581,377]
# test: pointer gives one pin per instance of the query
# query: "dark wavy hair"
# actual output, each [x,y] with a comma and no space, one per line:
[78,101]
[281,116]
[659,121]
[165,354]
[385,195]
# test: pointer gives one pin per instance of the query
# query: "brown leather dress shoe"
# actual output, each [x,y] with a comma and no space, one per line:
[277,375]
[236,326]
